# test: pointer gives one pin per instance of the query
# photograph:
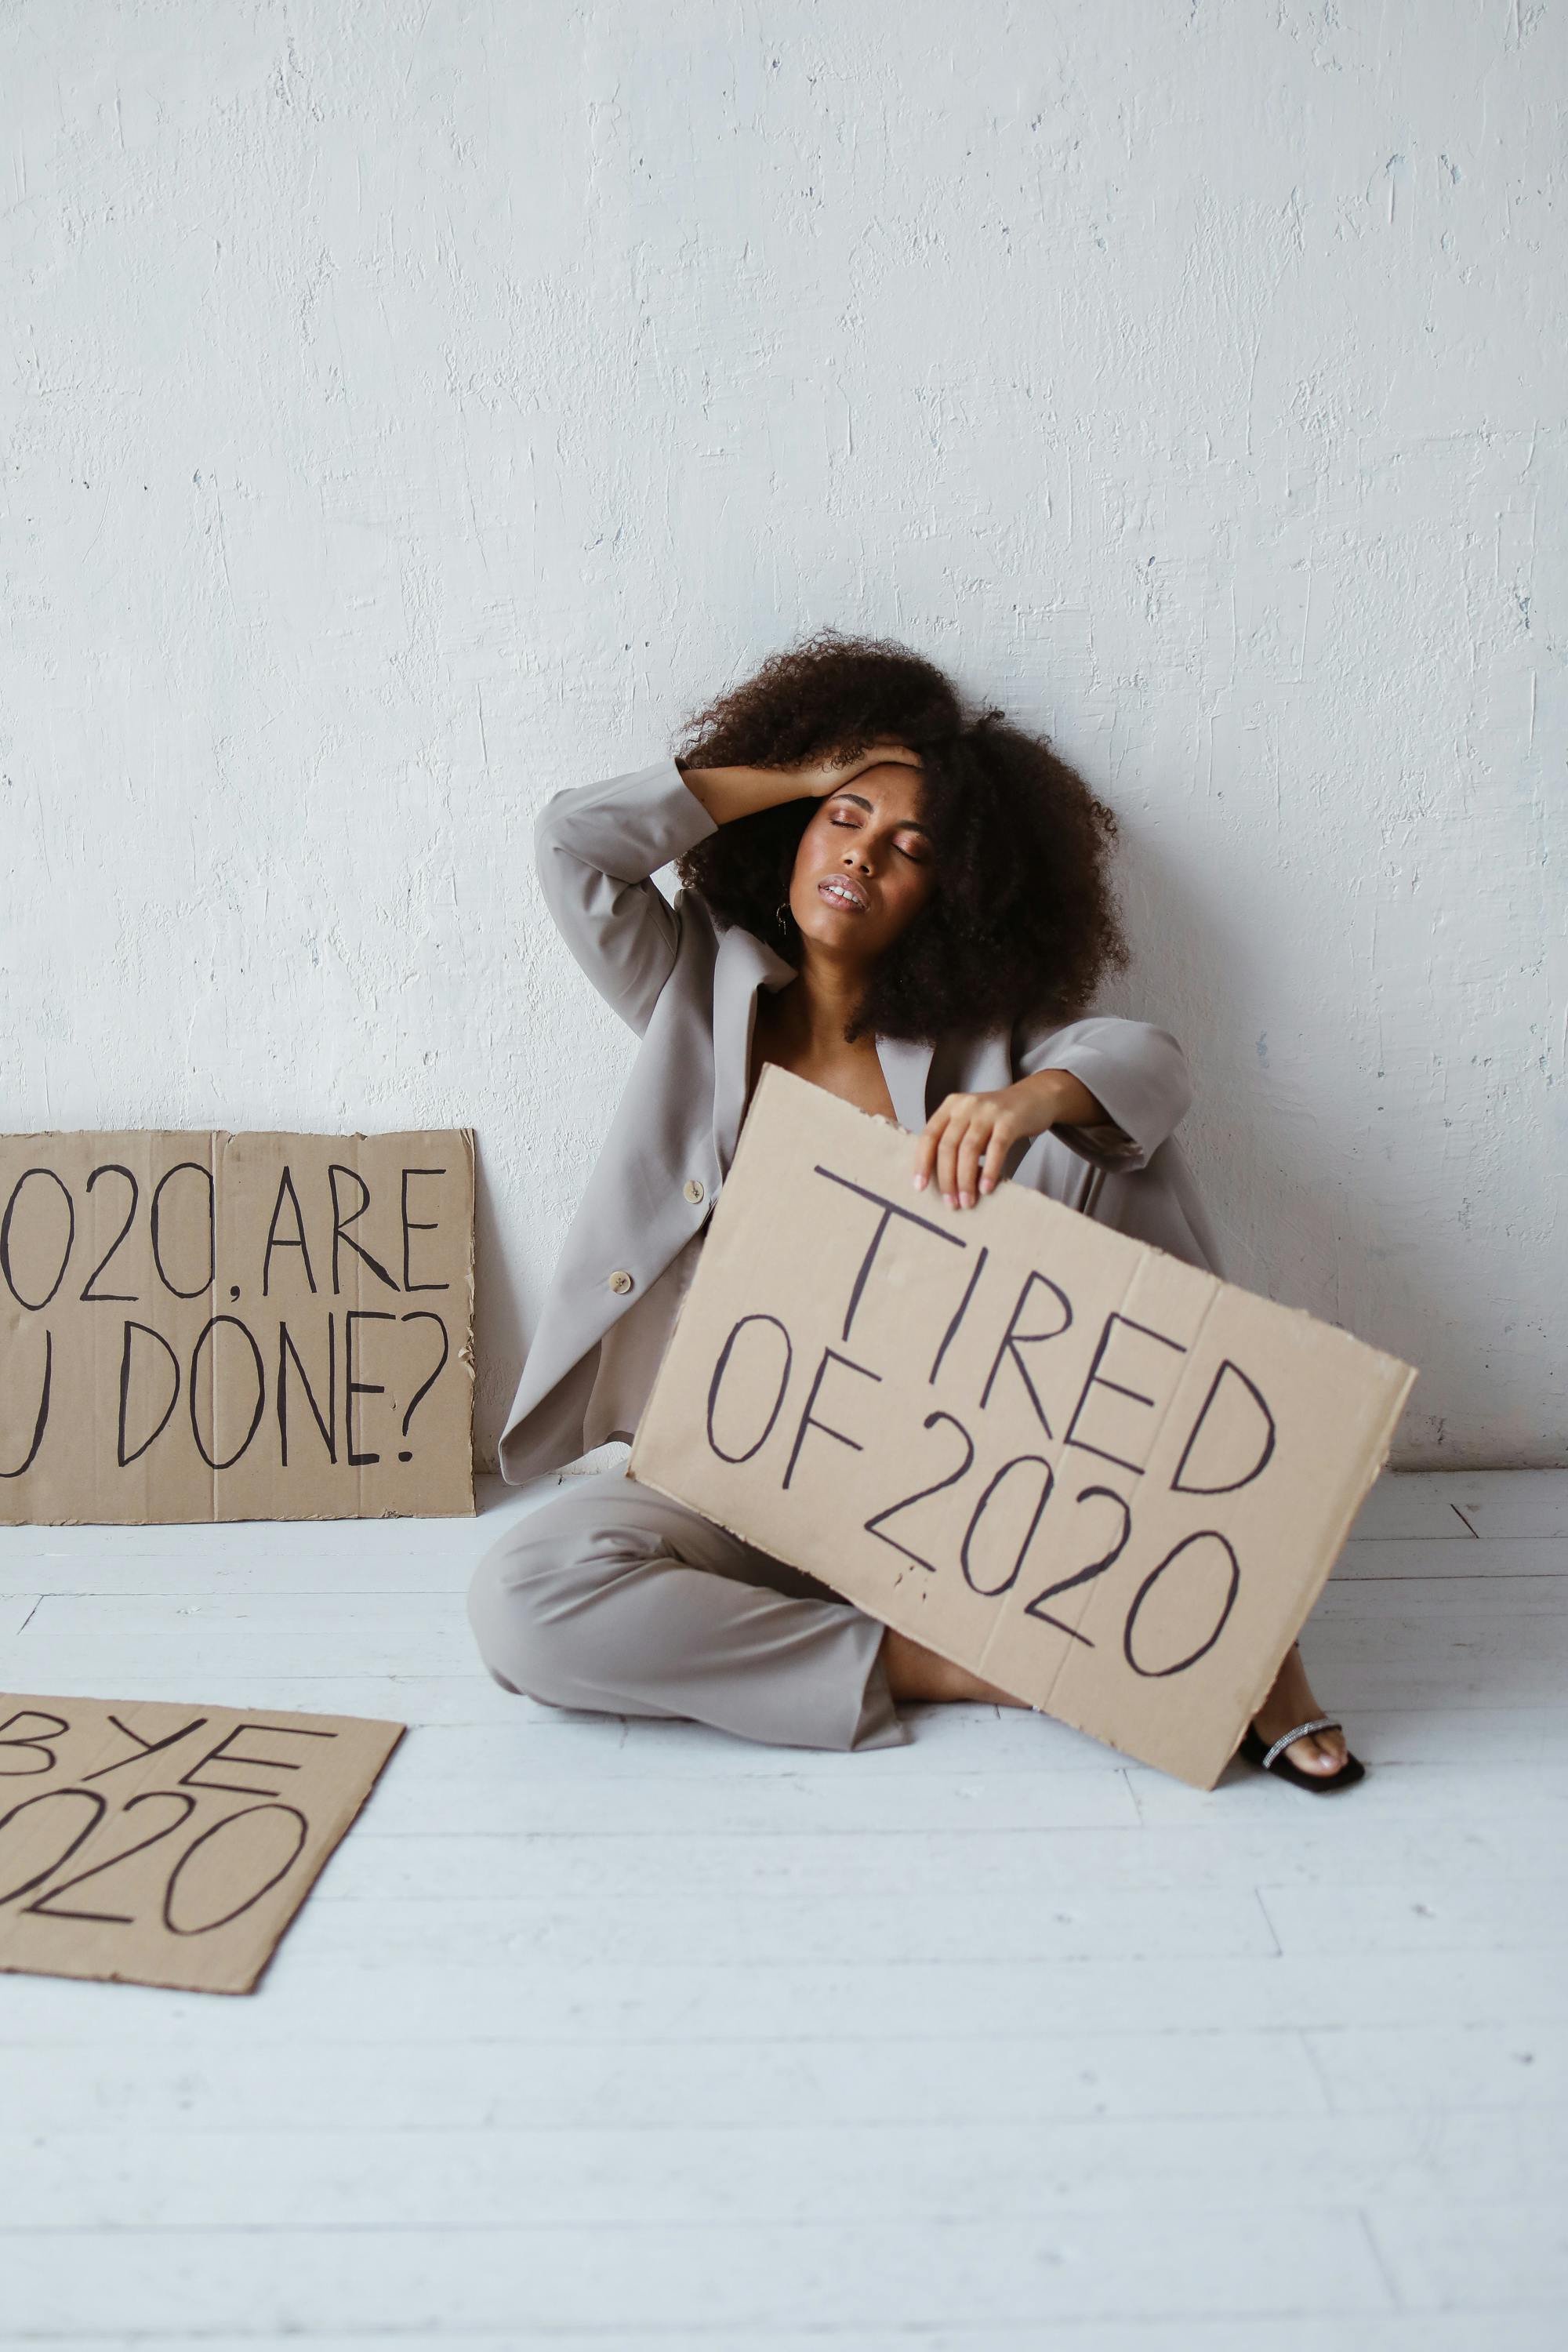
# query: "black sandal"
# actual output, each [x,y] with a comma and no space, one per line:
[1274,1759]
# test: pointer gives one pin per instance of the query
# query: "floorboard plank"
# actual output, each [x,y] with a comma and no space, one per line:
[710,2278]
[1512,1502]
[933,2079]
[372,1993]
[1412,1503]
[1389,2331]
[1423,1557]
[757,2172]
[1029,1876]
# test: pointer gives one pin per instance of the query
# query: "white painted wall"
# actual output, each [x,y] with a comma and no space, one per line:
[409,408]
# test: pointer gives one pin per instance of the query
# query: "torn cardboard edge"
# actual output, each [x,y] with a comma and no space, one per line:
[148,1842]
[339,1291]
[770,1224]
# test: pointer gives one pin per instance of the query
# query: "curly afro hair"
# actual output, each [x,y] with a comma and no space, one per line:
[1021,922]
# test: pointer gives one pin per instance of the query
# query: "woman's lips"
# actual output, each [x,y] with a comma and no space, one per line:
[840,893]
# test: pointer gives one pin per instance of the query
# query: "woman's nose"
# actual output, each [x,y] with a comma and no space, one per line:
[857,857]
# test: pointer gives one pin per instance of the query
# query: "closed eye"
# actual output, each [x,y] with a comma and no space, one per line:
[852,824]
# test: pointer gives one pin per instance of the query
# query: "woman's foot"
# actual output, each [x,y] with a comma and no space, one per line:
[1291,1701]
[916,1675]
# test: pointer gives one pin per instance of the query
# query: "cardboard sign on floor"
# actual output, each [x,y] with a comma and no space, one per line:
[1108,1483]
[236,1327]
[168,1845]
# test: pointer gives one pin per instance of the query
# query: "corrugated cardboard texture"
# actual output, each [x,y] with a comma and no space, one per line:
[168,1845]
[236,1327]
[1111,1485]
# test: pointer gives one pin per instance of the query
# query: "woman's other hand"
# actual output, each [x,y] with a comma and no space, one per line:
[818,778]
[730,793]
[966,1141]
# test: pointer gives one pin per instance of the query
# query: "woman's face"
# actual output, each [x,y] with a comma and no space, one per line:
[865,865]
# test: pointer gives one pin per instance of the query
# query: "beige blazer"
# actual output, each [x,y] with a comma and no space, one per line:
[688,986]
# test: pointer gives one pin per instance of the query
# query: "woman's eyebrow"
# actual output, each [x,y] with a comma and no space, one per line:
[905,823]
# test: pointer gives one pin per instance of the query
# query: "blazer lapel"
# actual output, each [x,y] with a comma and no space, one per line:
[743,964]
[906,1066]
[982,1064]
[988,1062]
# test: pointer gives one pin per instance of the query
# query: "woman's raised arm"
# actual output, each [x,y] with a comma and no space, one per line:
[598,846]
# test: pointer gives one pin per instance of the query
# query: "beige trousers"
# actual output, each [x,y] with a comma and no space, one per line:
[612,1597]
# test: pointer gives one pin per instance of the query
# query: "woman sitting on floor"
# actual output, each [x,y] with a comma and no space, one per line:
[908,906]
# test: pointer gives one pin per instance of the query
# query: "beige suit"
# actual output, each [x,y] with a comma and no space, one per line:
[608,1596]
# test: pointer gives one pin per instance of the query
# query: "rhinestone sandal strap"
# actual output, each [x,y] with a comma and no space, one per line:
[1319,1723]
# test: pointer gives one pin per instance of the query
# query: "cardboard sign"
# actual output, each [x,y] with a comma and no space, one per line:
[1105,1482]
[168,1845]
[236,1327]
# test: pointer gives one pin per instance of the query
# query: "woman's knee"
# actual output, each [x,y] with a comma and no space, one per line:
[530,1604]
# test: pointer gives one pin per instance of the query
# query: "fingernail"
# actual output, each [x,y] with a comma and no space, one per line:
[949,1201]
[986,1182]
[968,1200]
[920,1182]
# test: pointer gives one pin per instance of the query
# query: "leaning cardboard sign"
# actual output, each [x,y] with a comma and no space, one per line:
[1106,1482]
[147,1844]
[236,1327]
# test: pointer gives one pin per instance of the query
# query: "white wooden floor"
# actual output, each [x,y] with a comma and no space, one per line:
[636,2033]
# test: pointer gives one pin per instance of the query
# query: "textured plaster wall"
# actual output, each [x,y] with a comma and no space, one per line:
[407,409]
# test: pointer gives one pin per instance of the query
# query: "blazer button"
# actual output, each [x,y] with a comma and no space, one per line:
[620,1279]
[693,1189]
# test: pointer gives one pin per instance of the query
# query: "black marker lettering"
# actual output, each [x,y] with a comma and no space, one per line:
[266,1763]
[245,1813]
[1013,1338]
[329,1428]
[1205,1535]
[1180,1486]
[144,1746]
[889,1209]
[829,1355]
[341,1226]
[58,1728]
[47,1906]
[203,1337]
[117,1297]
[413,1226]
[1097,1378]
[206,1173]
[426,1315]
[877,1523]
[147,1332]
[947,1337]
[717,1382]
[353,1387]
[275,1240]
[34,1305]
[42,1422]
[1035,1461]
[1036,1608]
[98,1806]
